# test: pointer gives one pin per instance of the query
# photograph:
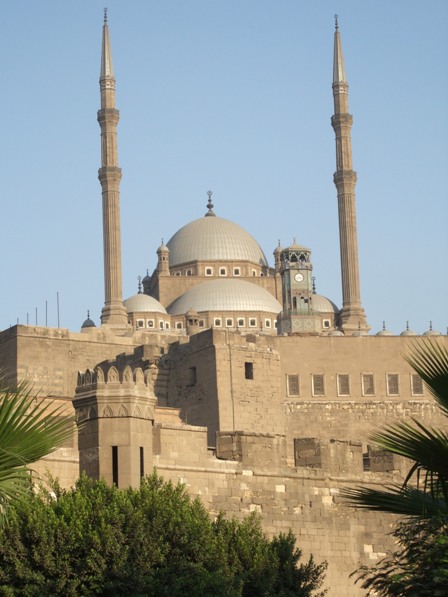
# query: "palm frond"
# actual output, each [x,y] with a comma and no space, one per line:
[396,499]
[426,446]
[429,358]
[30,429]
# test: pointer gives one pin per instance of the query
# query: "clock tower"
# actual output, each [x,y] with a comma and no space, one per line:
[297,316]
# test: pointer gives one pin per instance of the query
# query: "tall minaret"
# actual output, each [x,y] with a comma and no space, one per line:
[353,317]
[114,313]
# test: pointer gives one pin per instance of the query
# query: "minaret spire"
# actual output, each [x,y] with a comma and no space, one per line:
[114,312]
[353,317]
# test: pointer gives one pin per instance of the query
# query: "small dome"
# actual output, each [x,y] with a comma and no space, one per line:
[225,295]
[278,249]
[431,332]
[321,304]
[407,331]
[296,247]
[88,323]
[214,239]
[336,333]
[143,303]
[384,332]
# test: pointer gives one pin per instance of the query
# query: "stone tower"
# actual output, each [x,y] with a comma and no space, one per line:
[297,316]
[115,406]
[113,313]
[353,317]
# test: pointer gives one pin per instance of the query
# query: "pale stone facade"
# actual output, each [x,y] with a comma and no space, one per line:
[192,376]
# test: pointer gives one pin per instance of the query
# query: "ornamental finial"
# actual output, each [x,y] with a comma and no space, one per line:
[105,16]
[336,24]
[210,204]
[139,278]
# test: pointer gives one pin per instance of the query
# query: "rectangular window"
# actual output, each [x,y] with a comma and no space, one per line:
[267,323]
[326,324]
[178,325]
[217,322]
[201,323]
[416,385]
[208,271]
[236,271]
[293,385]
[229,323]
[368,384]
[150,323]
[249,370]
[222,271]
[115,465]
[241,322]
[142,462]
[343,384]
[252,323]
[393,387]
[140,323]
[318,384]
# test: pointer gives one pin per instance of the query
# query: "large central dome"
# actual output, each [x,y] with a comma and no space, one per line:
[214,239]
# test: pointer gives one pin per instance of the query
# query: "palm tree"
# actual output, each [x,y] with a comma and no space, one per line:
[426,447]
[30,428]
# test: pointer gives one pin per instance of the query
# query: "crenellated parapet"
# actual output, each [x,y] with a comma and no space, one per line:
[114,404]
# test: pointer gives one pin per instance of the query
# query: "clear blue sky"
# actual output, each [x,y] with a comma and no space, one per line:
[233,96]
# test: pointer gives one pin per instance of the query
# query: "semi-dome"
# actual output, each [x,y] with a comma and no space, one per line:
[142,303]
[323,305]
[225,295]
[214,239]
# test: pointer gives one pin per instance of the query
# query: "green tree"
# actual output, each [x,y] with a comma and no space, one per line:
[154,541]
[30,428]
[419,567]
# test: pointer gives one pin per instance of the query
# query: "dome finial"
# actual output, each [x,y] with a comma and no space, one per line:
[407,326]
[313,279]
[336,24]
[384,326]
[139,278]
[210,205]
[430,326]
[105,16]
[88,313]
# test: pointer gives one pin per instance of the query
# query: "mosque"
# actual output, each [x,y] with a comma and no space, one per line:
[232,376]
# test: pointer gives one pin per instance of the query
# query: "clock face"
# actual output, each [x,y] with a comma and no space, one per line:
[298,277]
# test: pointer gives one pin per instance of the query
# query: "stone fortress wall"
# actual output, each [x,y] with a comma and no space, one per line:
[218,412]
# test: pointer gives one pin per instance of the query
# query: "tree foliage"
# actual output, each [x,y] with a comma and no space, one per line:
[30,429]
[424,492]
[155,541]
[419,567]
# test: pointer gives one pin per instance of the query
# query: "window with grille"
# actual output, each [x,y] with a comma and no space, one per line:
[416,385]
[368,384]
[293,385]
[393,388]
[318,383]
[343,384]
